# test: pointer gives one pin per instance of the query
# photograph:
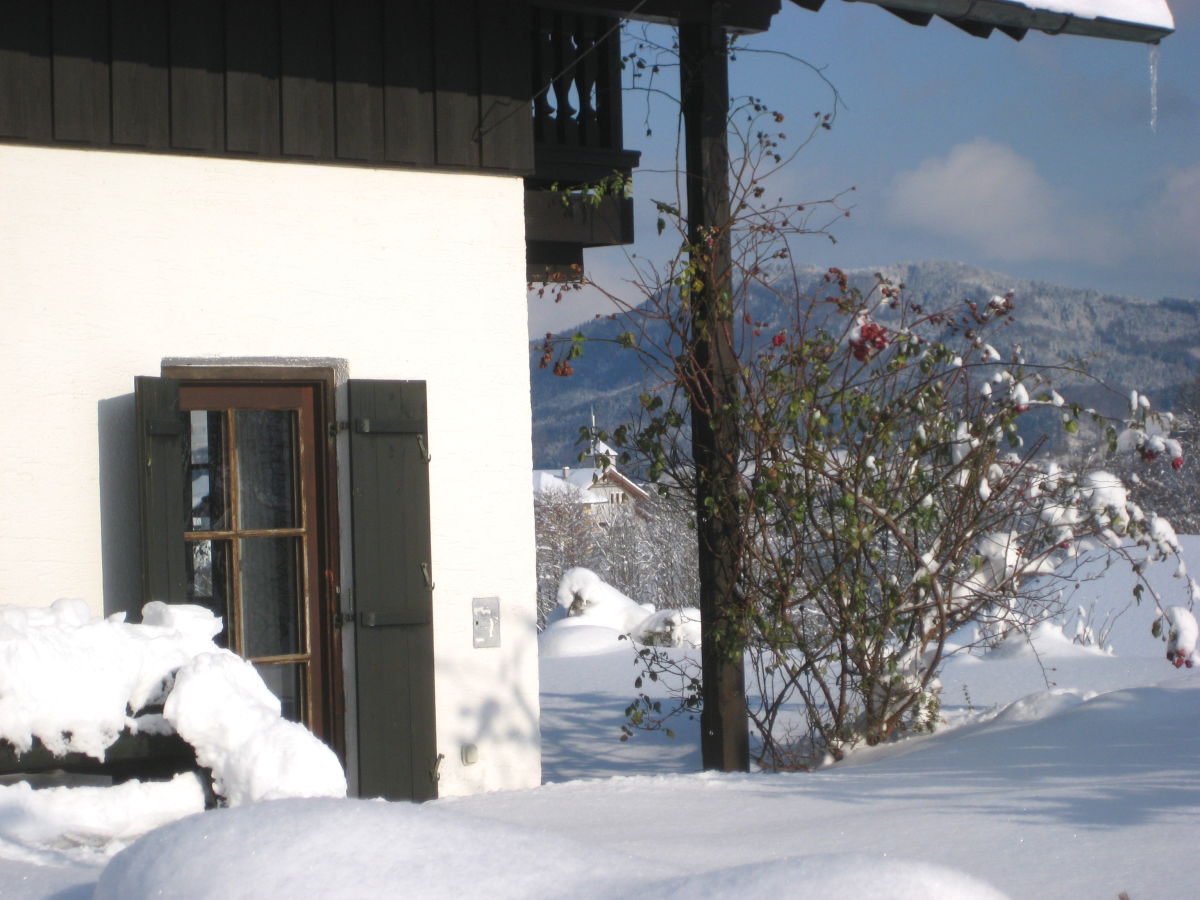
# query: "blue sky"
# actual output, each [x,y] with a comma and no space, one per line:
[1035,158]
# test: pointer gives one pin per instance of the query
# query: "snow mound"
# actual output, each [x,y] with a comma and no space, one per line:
[577,637]
[356,848]
[670,628]
[581,592]
[835,876]
[591,615]
[1041,705]
[1046,640]
[76,683]
[221,707]
[95,816]
[69,680]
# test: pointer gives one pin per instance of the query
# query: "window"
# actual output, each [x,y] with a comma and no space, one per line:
[238,483]
[252,534]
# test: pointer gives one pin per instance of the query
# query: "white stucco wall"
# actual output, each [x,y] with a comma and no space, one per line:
[110,262]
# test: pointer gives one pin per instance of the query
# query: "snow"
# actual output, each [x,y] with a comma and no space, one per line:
[68,680]
[90,815]
[1146,12]
[581,592]
[1062,771]
[75,683]
[591,616]
[221,707]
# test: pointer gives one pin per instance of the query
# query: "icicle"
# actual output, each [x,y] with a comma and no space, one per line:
[1154,52]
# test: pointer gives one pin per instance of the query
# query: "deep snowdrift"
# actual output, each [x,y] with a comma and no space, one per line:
[1064,772]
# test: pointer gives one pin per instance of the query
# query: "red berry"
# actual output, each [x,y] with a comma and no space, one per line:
[1179,661]
[1177,463]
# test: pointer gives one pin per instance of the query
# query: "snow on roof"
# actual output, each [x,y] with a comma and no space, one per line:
[582,480]
[1146,12]
[1124,20]
[599,448]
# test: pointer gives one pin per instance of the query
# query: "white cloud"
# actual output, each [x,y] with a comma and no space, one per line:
[986,194]
[1175,219]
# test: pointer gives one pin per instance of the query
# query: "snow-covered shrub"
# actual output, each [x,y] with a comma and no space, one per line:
[670,628]
[565,537]
[1181,637]
[885,498]
[592,616]
[865,471]
[75,683]
[647,549]
[581,592]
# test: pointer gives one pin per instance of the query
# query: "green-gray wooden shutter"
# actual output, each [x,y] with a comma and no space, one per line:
[393,597]
[161,487]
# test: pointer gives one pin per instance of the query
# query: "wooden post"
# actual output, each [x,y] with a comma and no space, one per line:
[704,90]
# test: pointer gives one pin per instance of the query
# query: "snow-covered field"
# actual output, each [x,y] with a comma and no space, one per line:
[1064,772]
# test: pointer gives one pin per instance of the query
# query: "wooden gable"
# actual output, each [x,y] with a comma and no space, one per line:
[426,83]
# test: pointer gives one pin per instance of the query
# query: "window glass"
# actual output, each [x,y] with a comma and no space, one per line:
[286,681]
[208,565]
[266,462]
[206,486]
[271,602]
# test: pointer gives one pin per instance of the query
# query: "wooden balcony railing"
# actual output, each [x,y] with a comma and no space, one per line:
[576,80]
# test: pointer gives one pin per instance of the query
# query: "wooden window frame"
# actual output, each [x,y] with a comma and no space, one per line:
[326,703]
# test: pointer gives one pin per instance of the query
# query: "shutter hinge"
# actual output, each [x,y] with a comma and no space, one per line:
[436,772]
[424,449]
[428,575]
[336,427]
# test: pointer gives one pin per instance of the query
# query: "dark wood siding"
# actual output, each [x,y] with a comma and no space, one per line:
[428,83]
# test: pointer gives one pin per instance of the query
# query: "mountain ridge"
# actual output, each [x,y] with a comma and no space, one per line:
[1129,342]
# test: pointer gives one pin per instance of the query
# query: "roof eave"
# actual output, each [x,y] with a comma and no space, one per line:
[979,17]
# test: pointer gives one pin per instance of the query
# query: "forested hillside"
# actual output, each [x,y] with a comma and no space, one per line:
[1153,345]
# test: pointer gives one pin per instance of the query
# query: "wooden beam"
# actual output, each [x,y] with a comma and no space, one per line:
[743,16]
[704,91]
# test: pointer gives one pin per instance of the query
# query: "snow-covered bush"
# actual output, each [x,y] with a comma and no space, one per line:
[670,628]
[565,537]
[582,592]
[865,471]
[647,549]
[597,615]
[75,683]
[886,498]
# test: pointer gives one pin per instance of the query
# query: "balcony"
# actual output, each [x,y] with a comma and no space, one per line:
[576,77]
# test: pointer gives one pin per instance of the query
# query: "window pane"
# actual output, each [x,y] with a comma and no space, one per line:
[266,460]
[286,681]
[206,485]
[271,601]
[208,580]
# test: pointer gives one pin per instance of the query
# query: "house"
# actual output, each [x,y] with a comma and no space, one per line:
[263,287]
[601,488]
[264,271]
